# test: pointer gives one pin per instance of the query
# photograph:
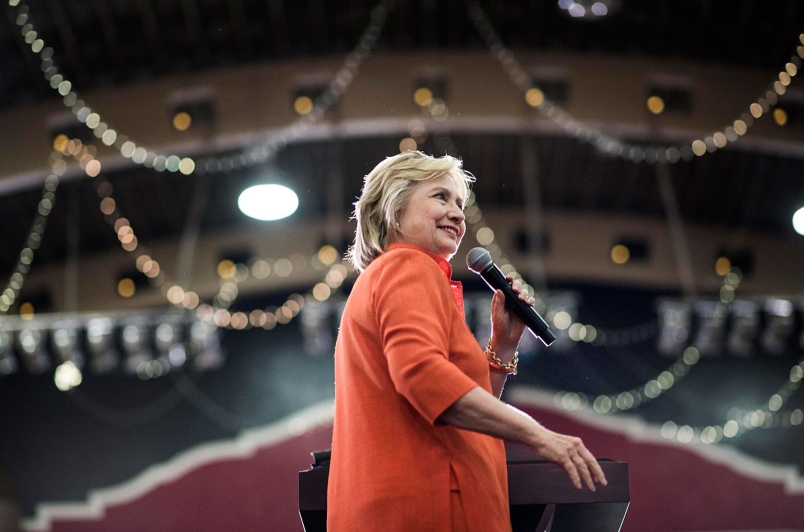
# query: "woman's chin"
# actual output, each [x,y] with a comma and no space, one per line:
[449,251]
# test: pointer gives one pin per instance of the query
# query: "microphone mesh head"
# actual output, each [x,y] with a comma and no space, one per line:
[478,259]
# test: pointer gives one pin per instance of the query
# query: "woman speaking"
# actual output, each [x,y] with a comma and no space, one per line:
[417,441]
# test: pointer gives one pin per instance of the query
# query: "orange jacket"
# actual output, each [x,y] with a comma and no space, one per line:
[405,354]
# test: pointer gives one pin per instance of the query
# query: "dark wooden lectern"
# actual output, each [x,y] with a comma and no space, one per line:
[541,495]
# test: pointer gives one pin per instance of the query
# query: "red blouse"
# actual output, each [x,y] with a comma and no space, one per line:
[404,355]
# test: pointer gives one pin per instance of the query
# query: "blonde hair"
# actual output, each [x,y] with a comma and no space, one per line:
[385,194]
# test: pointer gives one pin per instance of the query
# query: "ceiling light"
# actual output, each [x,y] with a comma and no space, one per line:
[268,202]
[798,221]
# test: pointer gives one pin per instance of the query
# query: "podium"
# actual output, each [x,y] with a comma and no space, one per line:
[540,493]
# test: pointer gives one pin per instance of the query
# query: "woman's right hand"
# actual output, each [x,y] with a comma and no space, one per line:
[479,411]
[570,453]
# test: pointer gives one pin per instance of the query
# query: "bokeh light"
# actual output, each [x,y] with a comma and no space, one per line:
[407,144]
[422,96]
[620,254]
[303,105]
[534,97]
[722,266]
[226,269]
[67,376]
[655,104]
[126,287]
[182,121]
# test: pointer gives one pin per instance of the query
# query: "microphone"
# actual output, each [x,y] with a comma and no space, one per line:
[479,261]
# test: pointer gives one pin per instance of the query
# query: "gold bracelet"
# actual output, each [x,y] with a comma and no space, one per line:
[510,368]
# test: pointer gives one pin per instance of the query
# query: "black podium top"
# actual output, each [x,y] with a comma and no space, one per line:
[540,493]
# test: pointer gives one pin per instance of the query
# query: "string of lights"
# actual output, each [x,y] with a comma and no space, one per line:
[35,234]
[269,317]
[615,147]
[265,148]
[742,421]
[765,418]
[769,416]
[183,386]
[240,320]
[739,421]
[231,274]
[262,150]
[629,399]
[150,267]
[82,111]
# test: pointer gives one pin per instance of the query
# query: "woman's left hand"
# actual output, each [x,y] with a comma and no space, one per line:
[506,327]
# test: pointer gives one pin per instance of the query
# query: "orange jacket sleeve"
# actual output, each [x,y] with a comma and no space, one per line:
[412,301]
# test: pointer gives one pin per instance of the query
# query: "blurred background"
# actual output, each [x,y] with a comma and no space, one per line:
[166,342]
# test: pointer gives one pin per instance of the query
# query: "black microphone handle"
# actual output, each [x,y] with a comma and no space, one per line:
[535,324]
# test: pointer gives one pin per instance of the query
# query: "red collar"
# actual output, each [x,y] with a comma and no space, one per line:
[442,263]
[456,286]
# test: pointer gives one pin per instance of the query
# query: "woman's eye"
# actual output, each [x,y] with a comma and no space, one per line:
[440,195]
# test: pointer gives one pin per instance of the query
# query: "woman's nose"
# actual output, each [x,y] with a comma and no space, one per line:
[456,213]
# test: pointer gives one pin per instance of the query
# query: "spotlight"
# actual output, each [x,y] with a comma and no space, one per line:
[778,326]
[674,99]
[655,104]
[630,250]
[429,87]
[675,321]
[206,345]
[169,346]
[67,376]
[620,254]
[32,347]
[182,121]
[798,221]
[65,341]
[101,345]
[304,98]
[196,111]
[742,259]
[134,339]
[315,319]
[8,363]
[548,85]
[711,328]
[131,282]
[268,202]
[744,327]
